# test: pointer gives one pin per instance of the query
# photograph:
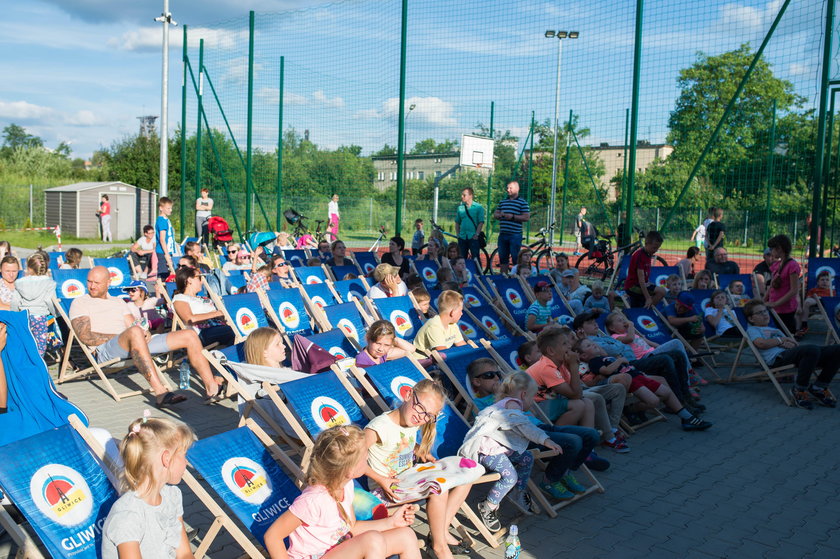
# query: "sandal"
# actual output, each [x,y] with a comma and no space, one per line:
[169,399]
[461,548]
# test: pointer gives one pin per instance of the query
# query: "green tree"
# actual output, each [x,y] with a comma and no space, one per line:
[15,136]
[430,146]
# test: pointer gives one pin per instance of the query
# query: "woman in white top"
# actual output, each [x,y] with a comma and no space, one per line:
[332,219]
[388,283]
[199,312]
[203,210]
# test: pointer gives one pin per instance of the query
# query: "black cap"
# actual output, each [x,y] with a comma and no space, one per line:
[583,317]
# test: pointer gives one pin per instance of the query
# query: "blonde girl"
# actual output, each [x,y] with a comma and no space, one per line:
[147,520]
[382,345]
[35,293]
[499,441]
[390,439]
[702,280]
[321,522]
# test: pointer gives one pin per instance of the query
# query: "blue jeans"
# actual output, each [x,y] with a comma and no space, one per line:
[509,245]
[577,443]
[468,245]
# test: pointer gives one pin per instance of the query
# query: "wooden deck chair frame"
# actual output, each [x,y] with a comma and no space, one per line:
[338,296]
[493,539]
[95,368]
[771,373]
[177,323]
[831,334]
[497,297]
[324,323]
[539,455]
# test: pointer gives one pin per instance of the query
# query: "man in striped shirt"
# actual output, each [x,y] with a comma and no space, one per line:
[511,212]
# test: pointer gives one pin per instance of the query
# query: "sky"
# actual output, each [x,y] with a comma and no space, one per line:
[82,71]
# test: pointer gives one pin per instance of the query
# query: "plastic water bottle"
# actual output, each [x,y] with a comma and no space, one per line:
[512,545]
[184,375]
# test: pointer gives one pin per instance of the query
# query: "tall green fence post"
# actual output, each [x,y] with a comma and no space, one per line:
[621,202]
[827,169]
[200,96]
[530,179]
[490,176]
[279,221]
[820,158]
[401,125]
[771,160]
[249,179]
[566,176]
[184,59]
[634,117]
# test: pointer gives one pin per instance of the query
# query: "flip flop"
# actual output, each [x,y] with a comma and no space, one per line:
[169,399]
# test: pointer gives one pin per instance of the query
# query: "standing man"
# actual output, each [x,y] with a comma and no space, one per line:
[578,227]
[715,233]
[511,212]
[469,221]
[105,216]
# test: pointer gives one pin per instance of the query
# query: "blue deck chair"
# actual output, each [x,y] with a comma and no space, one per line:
[310,274]
[366,261]
[286,309]
[118,269]
[348,318]
[296,257]
[473,297]
[335,342]
[490,320]
[70,284]
[349,290]
[318,295]
[247,478]
[56,260]
[724,280]
[817,265]
[649,324]
[659,274]
[829,307]
[474,275]
[617,283]
[56,482]
[237,279]
[470,329]
[401,313]
[507,350]
[244,313]
[433,295]
[427,270]
[514,297]
[339,272]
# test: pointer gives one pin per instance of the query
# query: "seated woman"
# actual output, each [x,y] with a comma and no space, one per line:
[388,282]
[72,259]
[339,255]
[199,312]
[433,252]
[395,257]
[523,265]
[280,271]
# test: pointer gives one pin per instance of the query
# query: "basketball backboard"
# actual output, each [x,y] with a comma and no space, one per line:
[476,151]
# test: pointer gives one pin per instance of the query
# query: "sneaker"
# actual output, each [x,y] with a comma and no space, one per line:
[489,517]
[595,462]
[691,402]
[617,445]
[696,380]
[695,424]
[823,396]
[694,393]
[557,491]
[801,332]
[577,253]
[572,484]
[801,398]
[522,500]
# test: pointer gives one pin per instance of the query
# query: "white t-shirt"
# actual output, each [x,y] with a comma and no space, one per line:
[395,452]
[205,206]
[723,325]
[332,208]
[198,305]
[377,292]
[146,244]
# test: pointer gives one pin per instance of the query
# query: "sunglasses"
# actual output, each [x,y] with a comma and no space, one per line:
[281,265]
[132,290]
[489,375]
[422,413]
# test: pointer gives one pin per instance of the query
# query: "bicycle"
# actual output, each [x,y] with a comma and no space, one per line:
[539,248]
[599,261]
[375,246]
[483,256]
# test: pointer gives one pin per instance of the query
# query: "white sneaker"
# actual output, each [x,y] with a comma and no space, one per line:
[522,500]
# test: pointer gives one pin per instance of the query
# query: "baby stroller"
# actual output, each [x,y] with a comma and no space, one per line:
[219,229]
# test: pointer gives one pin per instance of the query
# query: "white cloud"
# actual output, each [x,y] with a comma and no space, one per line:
[26,112]
[271,96]
[332,102]
[150,38]
[431,110]
[22,110]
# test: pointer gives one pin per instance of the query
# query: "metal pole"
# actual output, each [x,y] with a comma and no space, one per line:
[827,170]
[31,224]
[200,115]
[727,111]
[279,221]
[634,117]
[553,197]
[530,177]
[490,175]
[401,126]
[746,226]
[249,184]
[184,58]
[565,180]
[771,163]
[819,161]
[166,19]
[624,173]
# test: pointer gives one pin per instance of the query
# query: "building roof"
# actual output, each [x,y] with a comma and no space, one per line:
[82,186]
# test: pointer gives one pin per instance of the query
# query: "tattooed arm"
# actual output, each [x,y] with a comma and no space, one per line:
[81,326]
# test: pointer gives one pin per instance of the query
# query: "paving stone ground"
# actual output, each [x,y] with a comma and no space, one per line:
[761,483]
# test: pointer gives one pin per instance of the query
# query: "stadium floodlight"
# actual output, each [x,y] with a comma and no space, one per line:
[551,209]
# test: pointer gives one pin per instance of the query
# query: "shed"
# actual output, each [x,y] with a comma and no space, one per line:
[74,207]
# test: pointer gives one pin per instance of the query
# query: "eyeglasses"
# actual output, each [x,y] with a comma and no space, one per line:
[489,375]
[422,413]
[762,311]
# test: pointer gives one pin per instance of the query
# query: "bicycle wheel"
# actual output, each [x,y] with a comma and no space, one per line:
[492,266]
[592,268]
[544,255]
[661,261]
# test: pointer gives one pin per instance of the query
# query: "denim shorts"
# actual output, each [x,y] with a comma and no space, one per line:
[113,350]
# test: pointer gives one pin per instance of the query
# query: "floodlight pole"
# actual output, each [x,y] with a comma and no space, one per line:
[401,123]
[166,19]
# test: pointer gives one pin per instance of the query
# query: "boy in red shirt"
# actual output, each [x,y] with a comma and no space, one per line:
[639,290]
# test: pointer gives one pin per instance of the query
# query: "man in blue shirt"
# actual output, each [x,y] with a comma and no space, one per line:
[511,212]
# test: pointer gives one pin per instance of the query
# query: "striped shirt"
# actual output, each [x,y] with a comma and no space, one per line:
[513,206]
[541,312]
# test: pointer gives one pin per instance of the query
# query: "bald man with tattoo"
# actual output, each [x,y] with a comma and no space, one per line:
[106,324]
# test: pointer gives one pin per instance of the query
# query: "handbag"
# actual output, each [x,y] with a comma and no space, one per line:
[482,238]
